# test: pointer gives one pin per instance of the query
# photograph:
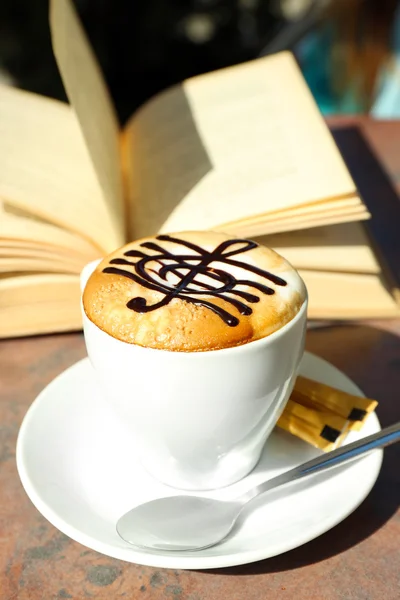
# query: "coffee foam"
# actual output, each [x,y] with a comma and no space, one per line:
[181,318]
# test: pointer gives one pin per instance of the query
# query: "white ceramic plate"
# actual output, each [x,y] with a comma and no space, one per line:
[79,469]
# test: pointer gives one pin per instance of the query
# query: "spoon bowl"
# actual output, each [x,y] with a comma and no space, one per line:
[178,523]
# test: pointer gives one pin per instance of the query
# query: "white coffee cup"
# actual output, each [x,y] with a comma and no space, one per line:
[199,419]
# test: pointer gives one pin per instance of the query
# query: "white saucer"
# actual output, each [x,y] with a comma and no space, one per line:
[80,471]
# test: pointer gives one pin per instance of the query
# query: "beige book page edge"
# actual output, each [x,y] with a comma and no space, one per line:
[39,252]
[280,226]
[26,227]
[348,296]
[22,281]
[343,247]
[320,207]
[10,246]
[38,304]
[17,264]
[298,216]
[53,318]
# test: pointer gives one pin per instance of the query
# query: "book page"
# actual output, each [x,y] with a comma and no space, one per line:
[24,228]
[293,223]
[40,303]
[25,257]
[348,296]
[27,264]
[14,247]
[92,104]
[229,145]
[307,210]
[343,247]
[45,168]
[297,225]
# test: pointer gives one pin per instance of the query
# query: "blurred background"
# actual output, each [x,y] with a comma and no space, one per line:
[349,50]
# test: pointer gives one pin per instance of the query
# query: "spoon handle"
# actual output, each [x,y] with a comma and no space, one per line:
[385,437]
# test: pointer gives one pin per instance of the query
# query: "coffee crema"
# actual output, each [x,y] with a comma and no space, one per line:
[192,291]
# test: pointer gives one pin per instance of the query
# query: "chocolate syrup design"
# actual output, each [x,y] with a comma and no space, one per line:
[186,267]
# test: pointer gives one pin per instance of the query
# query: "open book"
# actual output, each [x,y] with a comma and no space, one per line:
[242,149]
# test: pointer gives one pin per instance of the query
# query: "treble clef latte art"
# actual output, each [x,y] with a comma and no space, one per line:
[187,270]
[192,291]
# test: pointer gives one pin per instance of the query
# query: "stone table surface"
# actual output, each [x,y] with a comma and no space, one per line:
[359,559]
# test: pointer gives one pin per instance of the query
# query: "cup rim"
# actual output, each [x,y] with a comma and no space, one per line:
[247,346]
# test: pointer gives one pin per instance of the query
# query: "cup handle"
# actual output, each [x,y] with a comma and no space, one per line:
[86,273]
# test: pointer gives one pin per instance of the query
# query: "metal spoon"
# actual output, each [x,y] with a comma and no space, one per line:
[193,523]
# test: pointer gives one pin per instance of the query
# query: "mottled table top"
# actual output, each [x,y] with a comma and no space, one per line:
[359,559]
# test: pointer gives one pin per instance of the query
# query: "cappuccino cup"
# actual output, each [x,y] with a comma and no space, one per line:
[196,339]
